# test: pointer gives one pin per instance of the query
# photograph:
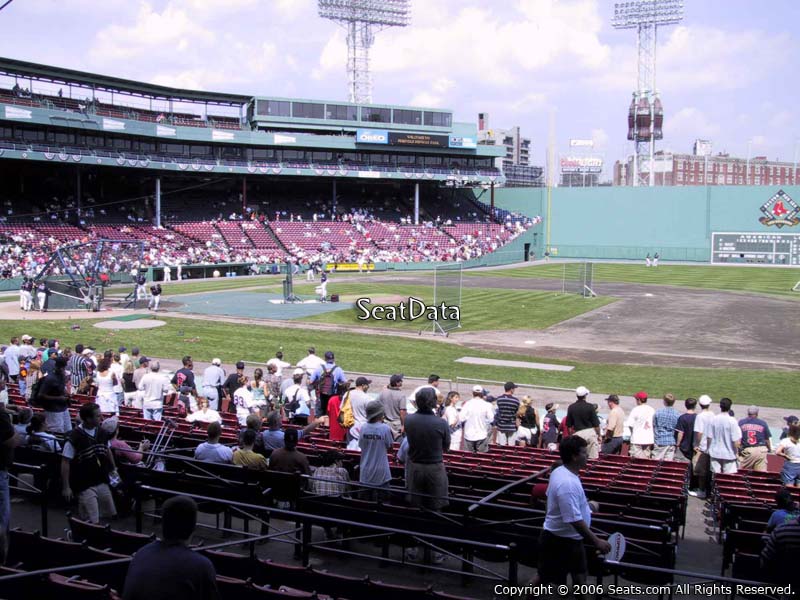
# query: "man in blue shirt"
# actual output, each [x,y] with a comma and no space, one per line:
[664,422]
[273,437]
[756,442]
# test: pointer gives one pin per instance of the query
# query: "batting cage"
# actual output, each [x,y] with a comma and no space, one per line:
[578,278]
[447,280]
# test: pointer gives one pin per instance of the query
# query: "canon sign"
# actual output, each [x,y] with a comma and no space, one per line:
[372,136]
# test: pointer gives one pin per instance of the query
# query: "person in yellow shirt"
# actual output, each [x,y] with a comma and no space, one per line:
[246,457]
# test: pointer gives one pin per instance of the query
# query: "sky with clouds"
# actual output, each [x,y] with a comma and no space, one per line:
[727,73]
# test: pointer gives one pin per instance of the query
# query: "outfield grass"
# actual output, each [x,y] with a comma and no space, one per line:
[481,309]
[764,280]
[205,339]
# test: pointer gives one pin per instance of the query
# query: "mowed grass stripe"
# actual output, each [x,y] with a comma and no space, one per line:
[481,309]
[749,279]
[417,357]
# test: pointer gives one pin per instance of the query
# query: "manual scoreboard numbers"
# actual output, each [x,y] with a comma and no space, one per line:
[756,248]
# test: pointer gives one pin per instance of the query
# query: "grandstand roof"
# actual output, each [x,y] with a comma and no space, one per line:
[12,67]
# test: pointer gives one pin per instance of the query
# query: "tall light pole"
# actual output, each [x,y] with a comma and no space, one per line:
[646,115]
[362,19]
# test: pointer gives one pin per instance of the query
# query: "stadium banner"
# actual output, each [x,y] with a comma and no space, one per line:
[162,131]
[462,142]
[581,164]
[581,143]
[349,267]
[221,135]
[284,139]
[113,125]
[372,136]
[13,112]
[369,174]
[418,140]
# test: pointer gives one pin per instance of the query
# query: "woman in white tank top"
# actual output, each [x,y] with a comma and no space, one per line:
[106,395]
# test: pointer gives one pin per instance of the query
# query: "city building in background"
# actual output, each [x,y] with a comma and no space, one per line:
[702,168]
[515,164]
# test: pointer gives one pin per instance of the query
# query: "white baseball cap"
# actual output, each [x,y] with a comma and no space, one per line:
[581,391]
[704,400]
[216,361]
[298,371]
[478,389]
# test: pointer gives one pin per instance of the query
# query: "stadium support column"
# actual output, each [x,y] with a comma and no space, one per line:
[158,201]
[416,203]
[491,200]
[244,195]
[78,193]
[333,199]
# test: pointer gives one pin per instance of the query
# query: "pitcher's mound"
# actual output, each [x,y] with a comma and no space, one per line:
[138,324]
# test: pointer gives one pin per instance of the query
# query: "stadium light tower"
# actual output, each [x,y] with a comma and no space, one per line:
[363,18]
[646,115]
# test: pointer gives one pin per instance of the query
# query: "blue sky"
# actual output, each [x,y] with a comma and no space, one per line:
[727,73]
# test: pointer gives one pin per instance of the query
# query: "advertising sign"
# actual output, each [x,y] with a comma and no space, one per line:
[423,140]
[372,136]
[581,164]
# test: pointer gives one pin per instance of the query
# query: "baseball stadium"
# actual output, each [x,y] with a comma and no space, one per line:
[370,260]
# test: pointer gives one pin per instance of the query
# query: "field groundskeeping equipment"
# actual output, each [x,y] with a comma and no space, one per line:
[72,272]
[578,278]
[447,281]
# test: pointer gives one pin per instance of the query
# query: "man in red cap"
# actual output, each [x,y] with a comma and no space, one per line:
[640,422]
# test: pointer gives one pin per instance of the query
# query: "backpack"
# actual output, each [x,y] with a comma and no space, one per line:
[294,404]
[35,400]
[326,385]
[346,418]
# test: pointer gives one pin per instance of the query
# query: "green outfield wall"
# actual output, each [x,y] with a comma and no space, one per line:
[628,223]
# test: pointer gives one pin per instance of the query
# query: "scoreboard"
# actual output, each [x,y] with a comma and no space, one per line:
[756,248]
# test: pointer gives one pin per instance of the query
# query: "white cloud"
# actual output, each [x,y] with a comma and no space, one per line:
[531,102]
[600,138]
[690,122]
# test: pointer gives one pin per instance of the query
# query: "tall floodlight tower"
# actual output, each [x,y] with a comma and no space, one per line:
[646,115]
[362,19]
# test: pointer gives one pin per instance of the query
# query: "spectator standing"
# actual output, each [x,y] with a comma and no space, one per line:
[528,432]
[232,384]
[375,441]
[75,366]
[154,386]
[297,400]
[724,437]
[506,420]
[213,378]
[358,401]
[245,402]
[336,432]
[411,400]
[550,426]
[167,569]
[701,463]
[615,427]
[665,420]
[212,450]
[394,404]
[684,429]
[568,519]
[789,449]
[54,399]
[311,362]
[756,442]
[86,465]
[326,379]
[582,419]
[476,417]
[640,422]
[184,377]
[105,380]
[11,357]
[279,363]
[790,420]
[453,422]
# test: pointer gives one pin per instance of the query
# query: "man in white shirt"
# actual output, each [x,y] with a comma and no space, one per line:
[154,386]
[358,401]
[701,462]
[312,362]
[11,357]
[477,416]
[568,520]
[213,378]
[640,422]
[724,437]
[411,400]
[279,363]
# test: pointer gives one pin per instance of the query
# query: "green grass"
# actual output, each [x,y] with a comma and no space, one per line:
[211,285]
[481,309]
[764,280]
[416,357]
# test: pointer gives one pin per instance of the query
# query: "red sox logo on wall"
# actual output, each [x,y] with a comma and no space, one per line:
[780,210]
